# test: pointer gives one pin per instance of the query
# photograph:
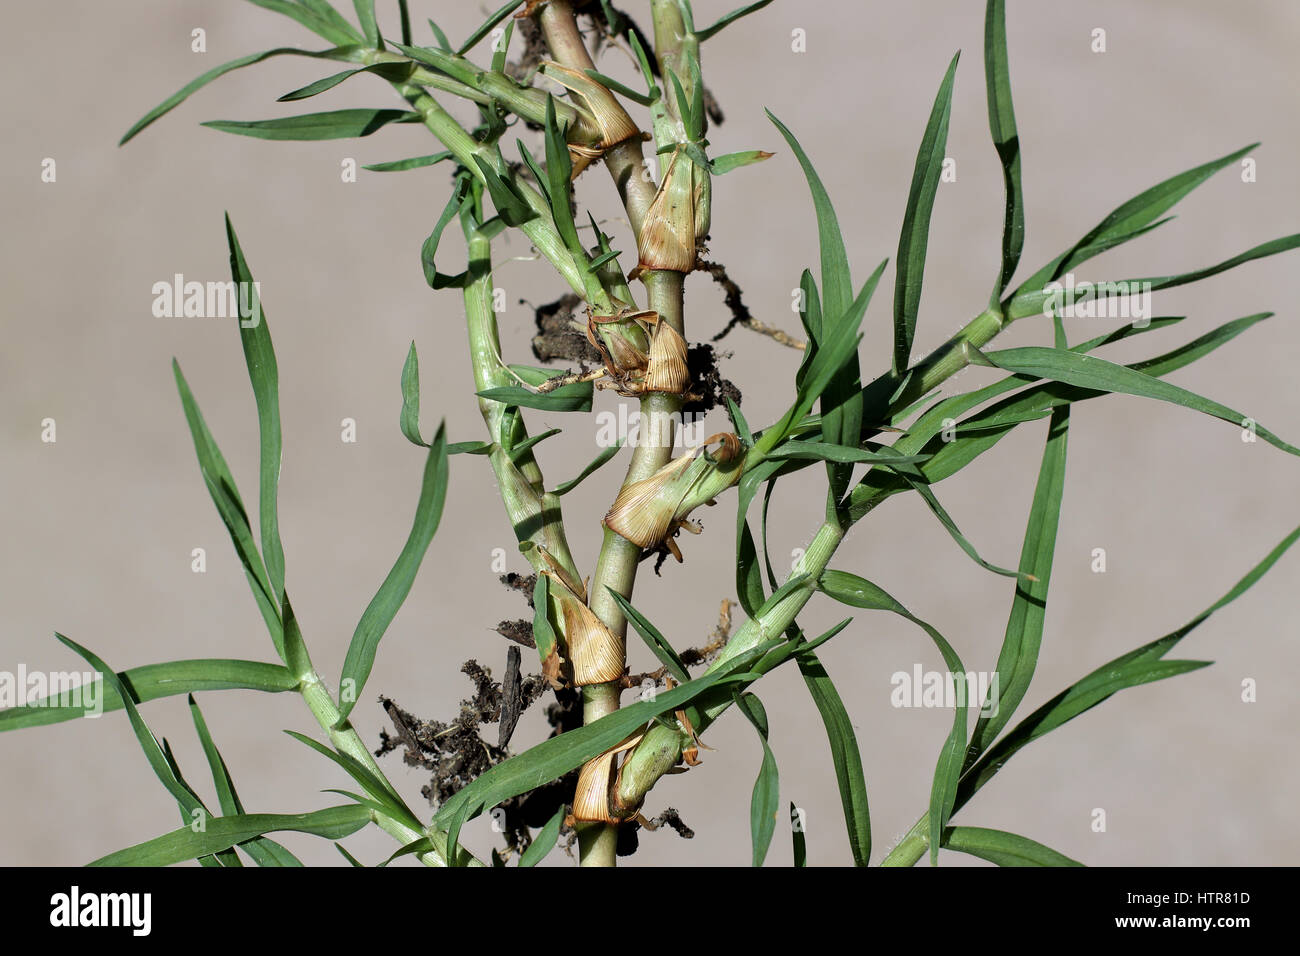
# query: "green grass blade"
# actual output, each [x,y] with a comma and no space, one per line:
[352,860]
[369,28]
[1006,140]
[501,50]
[335,124]
[159,757]
[443,43]
[931,422]
[647,70]
[739,424]
[821,451]
[1032,298]
[1082,253]
[227,798]
[151,682]
[565,487]
[510,206]
[927,495]
[319,86]
[393,72]
[334,823]
[544,842]
[296,657]
[538,171]
[265,852]
[810,317]
[429,249]
[374,805]
[184,93]
[749,575]
[978,433]
[798,838]
[263,372]
[559,169]
[318,16]
[1002,848]
[441,61]
[833,354]
[1134,217]
[567,398]
[837,284]
[622,89]
[556,756]
[544,635]
[225,495]
[325,11]
[377,788]
[845,756]
[857,591]
[767,558]
[1024,634]
[1100,375]
[915,235]
[415,162]
[654,640]
[1140,666]
[731,161]
[404,18]
[732,17]
[228,857]
[487,26]
[409,421]
[841,398]
[517,451]
[603,258]
[765,799]
[388,599]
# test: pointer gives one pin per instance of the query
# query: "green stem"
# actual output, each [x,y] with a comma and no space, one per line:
[541,228]
[945,361]
[660,749]
[625,161]
[533,511]
[347,741]
[912,847]
[617,564]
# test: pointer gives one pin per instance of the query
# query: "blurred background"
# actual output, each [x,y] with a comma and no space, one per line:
[99,526]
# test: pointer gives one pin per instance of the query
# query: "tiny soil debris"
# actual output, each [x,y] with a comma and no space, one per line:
[456,753]
[557,338]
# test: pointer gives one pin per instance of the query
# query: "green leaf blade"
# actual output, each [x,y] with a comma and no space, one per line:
[150,682]
[1002,848]
[263,373]
[766,794]
[845,755]
[544,842]
[221,833]
[388,599]
[1006,140]
[1018,656]
[914,238]
[225,495]
[334,124]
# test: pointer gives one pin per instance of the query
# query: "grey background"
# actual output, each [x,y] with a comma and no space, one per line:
[98,527]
